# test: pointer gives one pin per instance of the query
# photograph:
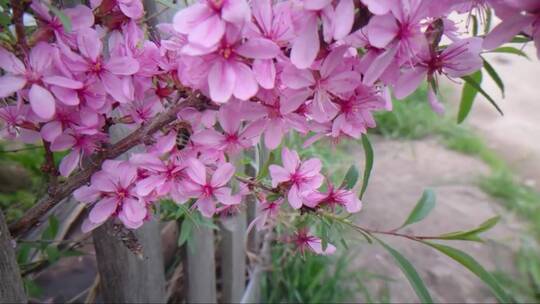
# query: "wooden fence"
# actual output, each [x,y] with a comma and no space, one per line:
[126,278]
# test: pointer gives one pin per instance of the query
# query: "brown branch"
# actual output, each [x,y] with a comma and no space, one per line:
[18,12]
[82,177]
[49,167]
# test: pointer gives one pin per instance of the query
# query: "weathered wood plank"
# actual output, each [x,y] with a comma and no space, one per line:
[124,277]
[200,267]
[233,257]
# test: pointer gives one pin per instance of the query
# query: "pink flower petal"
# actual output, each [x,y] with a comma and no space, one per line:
[147,185]
[245,84]
[294,198]
[297,79]
[42,102]
[10,84]
[343,19]
[278,174]
[258,48]
[236,11]
[135,210]
[197,171]
[89,44]
[505,30]
[265,72]
[306,46]
[208,32]
[381,30]
[66,96]
[316,246]
[63,82]
[221,81]
[102,210]
[290,159]
[409,81]
[206,206]
[69,163]
[122,65]
[222,175]
[10,63]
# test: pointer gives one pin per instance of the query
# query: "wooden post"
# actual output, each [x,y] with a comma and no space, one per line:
[200,267]
[233,257]
[124,277]
[11,284]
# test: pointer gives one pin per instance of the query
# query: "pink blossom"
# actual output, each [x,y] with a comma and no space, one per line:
[516,16]
[36,75]
[334,197]
[301,178]
[233,139]
[334,78]
[209,190]
[305,241]
[113,189]
[205,22]
[458,59]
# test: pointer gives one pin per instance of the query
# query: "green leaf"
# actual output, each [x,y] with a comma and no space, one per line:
[52,230]
[66,21]
[488,20]
[467,97]
[510,50]
[471,264]
[23,253]
[474,25]
[53,254]
[422,208]
[493,74]
[263,172]
[5,19]
[520,39]
[350,178]
[185,231]
[471,81]
[471,235]
[368,151]
[408,269]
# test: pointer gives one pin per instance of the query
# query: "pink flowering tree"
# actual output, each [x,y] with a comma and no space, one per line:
[232,76]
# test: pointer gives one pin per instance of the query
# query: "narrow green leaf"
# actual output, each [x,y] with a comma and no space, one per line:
[468,95]
[493,74]
[509,50]
[488,20]
[520,39]
[422,208]
[408,269]
[350,178]
[471,264]
[66,21]
[476,85]
[53,254]
[471,235]
[263,172]
[474,25]
[185,231]
[368,151]
[52,229]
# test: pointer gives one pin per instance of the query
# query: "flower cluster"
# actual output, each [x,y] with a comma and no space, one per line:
[259,69]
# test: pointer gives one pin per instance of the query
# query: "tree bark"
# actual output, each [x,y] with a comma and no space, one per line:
[11,284]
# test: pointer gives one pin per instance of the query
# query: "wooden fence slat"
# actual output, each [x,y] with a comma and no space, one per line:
[233,257]
[124,277]
[200,267]
[11,285]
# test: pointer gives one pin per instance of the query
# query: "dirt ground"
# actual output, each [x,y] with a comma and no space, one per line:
[403,169]
[460,205]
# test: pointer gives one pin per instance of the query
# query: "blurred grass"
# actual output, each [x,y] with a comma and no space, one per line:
[318,279]
[29,160]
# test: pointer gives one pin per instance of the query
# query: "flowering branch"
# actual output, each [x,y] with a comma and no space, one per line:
[50,200]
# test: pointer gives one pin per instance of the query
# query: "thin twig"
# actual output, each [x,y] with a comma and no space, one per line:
[21,149]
